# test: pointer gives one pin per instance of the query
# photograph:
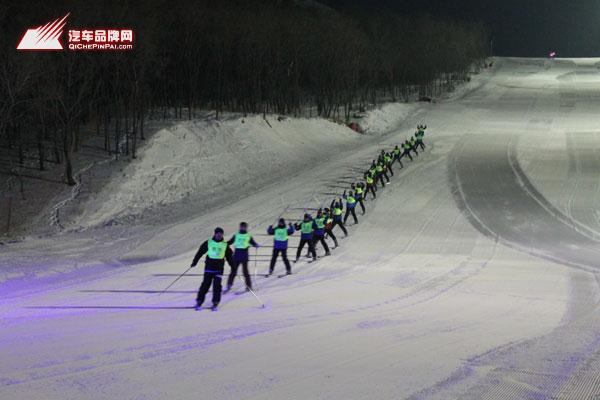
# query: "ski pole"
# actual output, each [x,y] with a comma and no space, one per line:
[178,278]
[255,261]
[262,304]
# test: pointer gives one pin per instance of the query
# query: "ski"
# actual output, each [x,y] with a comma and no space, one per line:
[282,275]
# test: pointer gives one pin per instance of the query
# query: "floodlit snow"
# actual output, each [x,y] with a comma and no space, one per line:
[472,276]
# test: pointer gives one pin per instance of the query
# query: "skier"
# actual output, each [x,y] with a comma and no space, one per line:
[407,148]
[216,250]
[350,206]
[388,160]
[280,244]
[241,241]
[329,226]
[420,134]
[319,233]
[379,174]
[359,190]
[398,155]
[307,229]
[413,145]
[337,209]
[370,184]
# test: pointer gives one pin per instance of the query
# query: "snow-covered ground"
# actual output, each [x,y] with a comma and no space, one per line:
[472,276]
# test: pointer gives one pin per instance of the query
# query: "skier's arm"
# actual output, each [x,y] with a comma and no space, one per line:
[332,204]
[228,256]
[201,251]
[230,241]
[291,229]
[270,230]
[253,243]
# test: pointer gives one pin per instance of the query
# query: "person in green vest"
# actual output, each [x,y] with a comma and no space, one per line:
[382,171]
[407,147]
[329,226]
[370,184]
[241,241]
[319,233]
[413,145]
[398,155]
[420,135]
[306,228]
[217,251]
[359,191]
[280,244]
[337,209]
[388,161]
[350,206]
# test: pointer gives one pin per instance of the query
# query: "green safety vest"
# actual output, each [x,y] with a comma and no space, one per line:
[407,146]
[369,180]
[281,234]
[242,240]
[359,190]
[320,222]
[337,211]
[388,159]
[397,151]
[379,168]
[350,200]
[307,227]
[216,250]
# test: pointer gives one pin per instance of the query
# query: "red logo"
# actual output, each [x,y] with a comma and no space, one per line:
[44,37]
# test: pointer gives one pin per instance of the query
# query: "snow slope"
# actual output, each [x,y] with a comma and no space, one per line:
[466,279]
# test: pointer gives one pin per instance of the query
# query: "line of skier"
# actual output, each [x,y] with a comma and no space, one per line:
[313,231]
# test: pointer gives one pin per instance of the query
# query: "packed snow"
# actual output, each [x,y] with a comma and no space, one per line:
[472,276]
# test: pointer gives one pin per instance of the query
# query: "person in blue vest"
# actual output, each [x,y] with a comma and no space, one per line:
[337,209]
[241,241]
[350,206]
[280,244]
[217,251]
[306,228]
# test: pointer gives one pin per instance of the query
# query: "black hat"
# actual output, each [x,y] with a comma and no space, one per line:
[218,230]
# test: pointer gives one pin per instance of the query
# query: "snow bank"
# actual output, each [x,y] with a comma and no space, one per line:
[208,158]
[387,117]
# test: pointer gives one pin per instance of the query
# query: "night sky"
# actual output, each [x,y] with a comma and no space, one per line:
[519,28]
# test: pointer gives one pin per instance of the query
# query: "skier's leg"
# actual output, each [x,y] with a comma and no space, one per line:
[206,282]
[246,274]
[353,211]
[390,168]
[387,178]
[273,260]
[343,229]
[311,248]
[300,247]
[216,297]
[232,275]
[347,214]
[288,267]
[362,205]
[332,236]
[324,244]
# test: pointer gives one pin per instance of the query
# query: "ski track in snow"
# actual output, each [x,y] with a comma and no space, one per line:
[474,275]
